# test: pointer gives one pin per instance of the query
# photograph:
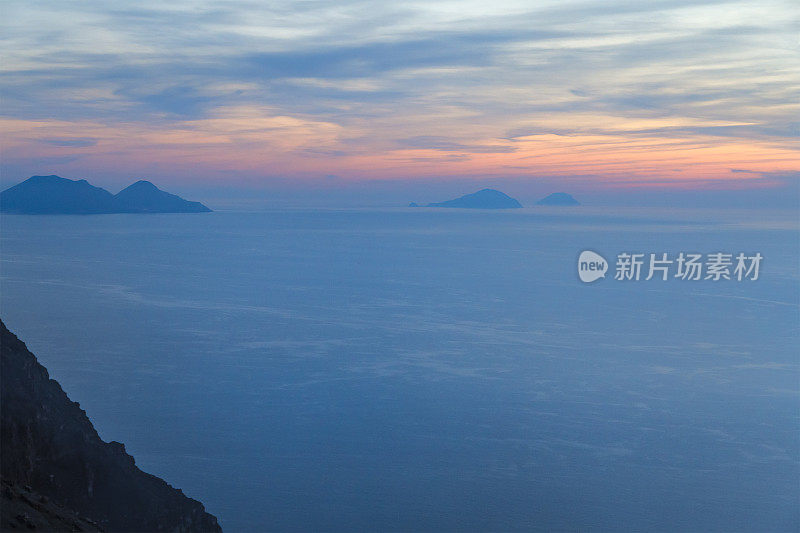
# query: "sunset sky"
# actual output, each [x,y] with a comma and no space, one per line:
[613,95]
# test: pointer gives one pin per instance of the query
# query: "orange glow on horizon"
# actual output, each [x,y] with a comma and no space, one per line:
[277,145]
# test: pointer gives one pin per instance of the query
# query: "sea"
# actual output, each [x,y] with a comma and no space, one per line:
[415,370]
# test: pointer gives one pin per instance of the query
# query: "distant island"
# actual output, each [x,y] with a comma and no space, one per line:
[483,199]
[40,195]
[57,473]
[558,198]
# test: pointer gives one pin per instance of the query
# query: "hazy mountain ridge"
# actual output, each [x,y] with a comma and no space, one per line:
[57,195]
[51,449]
[558,198]
[483,199]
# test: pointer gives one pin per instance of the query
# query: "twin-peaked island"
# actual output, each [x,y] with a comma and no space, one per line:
[55,195]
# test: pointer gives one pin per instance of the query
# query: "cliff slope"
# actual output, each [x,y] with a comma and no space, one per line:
[48,447]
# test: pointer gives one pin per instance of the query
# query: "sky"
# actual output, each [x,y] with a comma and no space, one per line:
[403,98]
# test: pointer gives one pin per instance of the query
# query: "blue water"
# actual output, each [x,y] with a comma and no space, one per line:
[418,370]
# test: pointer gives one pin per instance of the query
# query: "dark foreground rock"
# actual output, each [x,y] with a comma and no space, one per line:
[56,469]
[22,509]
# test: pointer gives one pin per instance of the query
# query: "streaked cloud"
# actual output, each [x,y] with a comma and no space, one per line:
[633,92]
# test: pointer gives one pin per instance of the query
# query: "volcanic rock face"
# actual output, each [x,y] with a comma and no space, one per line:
[52,455]
[23,509]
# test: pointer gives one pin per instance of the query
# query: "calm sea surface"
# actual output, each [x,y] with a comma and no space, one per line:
[415,370]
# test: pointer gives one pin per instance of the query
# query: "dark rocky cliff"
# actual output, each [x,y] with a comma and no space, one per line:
[48,447]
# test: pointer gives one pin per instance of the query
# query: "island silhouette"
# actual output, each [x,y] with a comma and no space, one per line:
[483,199]
[558,198]
[39,195]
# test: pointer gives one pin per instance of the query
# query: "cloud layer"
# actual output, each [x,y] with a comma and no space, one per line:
[626,92]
